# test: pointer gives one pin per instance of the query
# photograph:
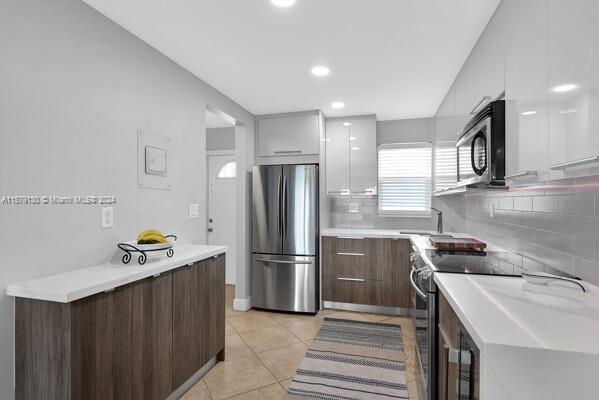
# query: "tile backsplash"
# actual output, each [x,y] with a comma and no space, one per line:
[548,228]
[545,228]
[368,217]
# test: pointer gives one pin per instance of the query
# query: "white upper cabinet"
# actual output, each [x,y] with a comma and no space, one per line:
[485,66]
[526,91]
[573,88]
[444,144]
[337,157]
[289,134]
[363,156]
[462,106]
[351,163]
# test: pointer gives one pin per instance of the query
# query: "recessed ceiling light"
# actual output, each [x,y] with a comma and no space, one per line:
[355,148]
[320,71]
[347,124]
[525,113]
[352,138]
[564,88]
[283,3]
[338,105]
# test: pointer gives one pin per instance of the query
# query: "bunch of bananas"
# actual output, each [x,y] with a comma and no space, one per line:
[151,236]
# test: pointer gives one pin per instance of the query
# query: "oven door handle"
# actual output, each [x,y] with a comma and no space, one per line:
[419,292]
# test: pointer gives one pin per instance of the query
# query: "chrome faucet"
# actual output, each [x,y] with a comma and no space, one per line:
[439,219]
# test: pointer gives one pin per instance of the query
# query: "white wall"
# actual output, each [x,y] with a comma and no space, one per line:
[74,89]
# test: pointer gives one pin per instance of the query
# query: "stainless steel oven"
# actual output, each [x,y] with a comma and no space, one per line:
[424,317]
[481,148]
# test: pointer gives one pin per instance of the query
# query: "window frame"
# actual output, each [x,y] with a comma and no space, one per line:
[406,213]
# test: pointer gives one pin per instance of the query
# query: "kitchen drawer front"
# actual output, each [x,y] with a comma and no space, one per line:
[351,244]
[351,265]
[351,290]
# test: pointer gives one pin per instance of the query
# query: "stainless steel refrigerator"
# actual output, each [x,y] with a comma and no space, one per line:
[285,238]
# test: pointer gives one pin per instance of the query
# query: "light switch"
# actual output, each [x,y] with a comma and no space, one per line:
[107,217]
[354,208]
[194,210]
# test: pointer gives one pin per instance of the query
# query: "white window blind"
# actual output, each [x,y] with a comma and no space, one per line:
[446,165]
[405,179]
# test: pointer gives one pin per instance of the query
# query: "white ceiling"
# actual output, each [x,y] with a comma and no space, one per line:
[215,121]
[395,58]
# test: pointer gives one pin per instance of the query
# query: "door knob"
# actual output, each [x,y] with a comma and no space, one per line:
[210,230]
[211,220]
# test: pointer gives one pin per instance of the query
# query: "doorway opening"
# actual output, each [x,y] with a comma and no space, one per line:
[222,188]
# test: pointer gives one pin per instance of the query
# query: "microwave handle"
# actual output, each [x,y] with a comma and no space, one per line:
[482,101]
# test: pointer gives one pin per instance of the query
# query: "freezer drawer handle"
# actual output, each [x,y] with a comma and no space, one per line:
[285,261]
[351,279]
[351,254]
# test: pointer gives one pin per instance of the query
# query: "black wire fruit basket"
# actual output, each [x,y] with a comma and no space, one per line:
[144,250]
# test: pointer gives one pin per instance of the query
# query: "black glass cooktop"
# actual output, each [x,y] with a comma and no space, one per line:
[485,263]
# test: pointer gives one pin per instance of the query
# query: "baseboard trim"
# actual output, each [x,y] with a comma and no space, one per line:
[195,378]
[242,304]
[367,309]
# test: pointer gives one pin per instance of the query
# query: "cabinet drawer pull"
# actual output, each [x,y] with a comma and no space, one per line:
[351,279]
[287,152]
[350,237]
[521,174]
[575,163]
[156,275]
[370,192]
[109,290]
[190,265]
[475,109]
[346,192]
[351,254]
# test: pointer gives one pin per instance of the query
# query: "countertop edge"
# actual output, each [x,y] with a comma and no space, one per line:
[19,289]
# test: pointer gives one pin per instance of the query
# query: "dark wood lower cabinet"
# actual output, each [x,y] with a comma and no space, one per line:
[366,271]
[152,335]
[101,353]
[198,318]
[139,341]
[458,358]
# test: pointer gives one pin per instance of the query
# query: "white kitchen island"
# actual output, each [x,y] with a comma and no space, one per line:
[536,342]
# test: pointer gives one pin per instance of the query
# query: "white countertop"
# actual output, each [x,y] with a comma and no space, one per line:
[421,241]
[536,342]
[363,233]
[80,283]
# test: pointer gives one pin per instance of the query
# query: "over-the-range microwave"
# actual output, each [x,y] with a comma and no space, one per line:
[481,148]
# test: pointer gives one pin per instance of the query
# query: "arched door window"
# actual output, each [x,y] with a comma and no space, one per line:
[228,170]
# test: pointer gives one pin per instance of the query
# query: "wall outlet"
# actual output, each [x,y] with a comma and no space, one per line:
[194,210]
[107,217]
[353,208]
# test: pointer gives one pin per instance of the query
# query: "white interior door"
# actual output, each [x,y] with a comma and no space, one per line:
[222,226]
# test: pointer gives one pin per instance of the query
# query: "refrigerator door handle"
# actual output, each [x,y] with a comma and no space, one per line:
[280,197]
[284,206]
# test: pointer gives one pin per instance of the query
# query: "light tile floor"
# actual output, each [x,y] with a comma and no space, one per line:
[264,349]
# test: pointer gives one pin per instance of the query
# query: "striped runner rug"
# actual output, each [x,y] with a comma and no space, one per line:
[352,360]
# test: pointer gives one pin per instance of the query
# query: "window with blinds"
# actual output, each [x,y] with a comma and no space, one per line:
[446,162]
[404,179]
